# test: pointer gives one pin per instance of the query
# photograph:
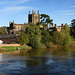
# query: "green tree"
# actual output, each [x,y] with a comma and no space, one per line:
[23,38]
[66,31]
[63,37]
[45,20]
[45,37]
[4,29]
[34,34]
[58,38]
[73,28]
[2,32]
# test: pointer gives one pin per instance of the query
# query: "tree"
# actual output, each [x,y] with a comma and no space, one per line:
[63,37]
[23,38]
[45,20]
[45,37]
[66,31]
[4,29]
[2,32]
[58,38]
[73,27]
[34,35]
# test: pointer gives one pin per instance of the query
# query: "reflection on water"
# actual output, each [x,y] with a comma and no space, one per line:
[52,61]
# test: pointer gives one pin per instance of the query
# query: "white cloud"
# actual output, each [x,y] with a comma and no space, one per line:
[73,6]
[69,14]
[15,8]
[13,2]
[66,11]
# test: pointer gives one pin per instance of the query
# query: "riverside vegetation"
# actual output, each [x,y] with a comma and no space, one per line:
[38,37]
[14,48]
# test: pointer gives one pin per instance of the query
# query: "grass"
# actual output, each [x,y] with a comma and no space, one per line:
[13,48]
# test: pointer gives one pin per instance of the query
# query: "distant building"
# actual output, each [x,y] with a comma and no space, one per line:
[16,28]
[58,28]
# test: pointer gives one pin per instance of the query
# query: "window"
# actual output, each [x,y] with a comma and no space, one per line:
[18,27]
[35,17]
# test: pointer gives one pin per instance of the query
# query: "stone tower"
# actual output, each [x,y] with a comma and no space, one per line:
[33,18]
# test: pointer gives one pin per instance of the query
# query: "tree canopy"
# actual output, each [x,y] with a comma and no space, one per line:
[23,38]
[34,34]
[73,27]
[45,20]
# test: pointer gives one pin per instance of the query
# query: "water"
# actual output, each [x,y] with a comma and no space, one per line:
[51,61]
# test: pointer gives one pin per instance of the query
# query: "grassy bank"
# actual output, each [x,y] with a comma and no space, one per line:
[13,48]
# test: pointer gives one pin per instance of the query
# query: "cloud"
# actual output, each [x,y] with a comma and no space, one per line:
[14,9]
[73,6]
[66,11]
[13,2]
[69,14]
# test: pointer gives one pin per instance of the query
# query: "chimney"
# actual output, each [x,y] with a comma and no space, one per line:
[55,25]
[13,22]
[38,12]
[62,25]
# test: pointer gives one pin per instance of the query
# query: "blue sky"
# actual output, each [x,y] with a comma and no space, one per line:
[61,11]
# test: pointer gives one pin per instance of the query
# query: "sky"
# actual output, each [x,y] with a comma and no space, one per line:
[61,11]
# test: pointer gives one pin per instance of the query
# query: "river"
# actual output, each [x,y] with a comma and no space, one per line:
[51,61]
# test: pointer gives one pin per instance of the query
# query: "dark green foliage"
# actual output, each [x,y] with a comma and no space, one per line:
[34,34]
[45,36]
[23,38]
[73,28]
[45,20]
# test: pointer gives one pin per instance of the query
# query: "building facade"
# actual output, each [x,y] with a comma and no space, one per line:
[16,28]
[33,18]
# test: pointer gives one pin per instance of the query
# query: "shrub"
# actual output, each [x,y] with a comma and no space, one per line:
[34,35]
[45,37]
[23,38]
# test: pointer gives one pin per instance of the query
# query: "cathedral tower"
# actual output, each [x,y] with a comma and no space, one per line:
[33,18]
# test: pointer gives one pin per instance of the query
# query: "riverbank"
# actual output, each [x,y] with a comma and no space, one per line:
[7,49]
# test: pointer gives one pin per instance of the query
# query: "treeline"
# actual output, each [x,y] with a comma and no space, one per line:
[35,36]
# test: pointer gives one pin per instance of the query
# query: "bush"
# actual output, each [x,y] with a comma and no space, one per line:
[45,37]
[23,38]
[58,38]
[34,35]
[63,37]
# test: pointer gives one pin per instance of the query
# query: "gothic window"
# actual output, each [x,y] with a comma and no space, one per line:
[18,27]
[21,28]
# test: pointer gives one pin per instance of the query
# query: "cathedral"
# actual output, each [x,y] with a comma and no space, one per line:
[16,28]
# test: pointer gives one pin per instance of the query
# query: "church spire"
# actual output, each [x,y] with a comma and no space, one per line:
[38,11]
[29,12]
[33,12]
